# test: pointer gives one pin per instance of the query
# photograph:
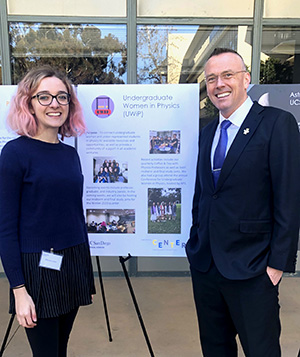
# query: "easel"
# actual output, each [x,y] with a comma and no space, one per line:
[122,262]
[3,346]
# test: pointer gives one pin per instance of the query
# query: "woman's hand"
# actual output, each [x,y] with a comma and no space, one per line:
[25,308]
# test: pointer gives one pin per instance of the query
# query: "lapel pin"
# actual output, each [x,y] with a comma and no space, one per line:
[246,131]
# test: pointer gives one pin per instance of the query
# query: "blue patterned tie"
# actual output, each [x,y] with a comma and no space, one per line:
[219,155]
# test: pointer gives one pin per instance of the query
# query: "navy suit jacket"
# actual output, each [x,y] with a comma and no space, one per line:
[251,219]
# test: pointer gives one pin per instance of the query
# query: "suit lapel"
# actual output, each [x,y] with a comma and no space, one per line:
[241,140]
[207,139]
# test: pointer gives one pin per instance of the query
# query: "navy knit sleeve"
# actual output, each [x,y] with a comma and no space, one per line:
[11,177]
[84,225]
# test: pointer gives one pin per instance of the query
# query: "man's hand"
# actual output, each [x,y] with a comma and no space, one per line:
[274,275]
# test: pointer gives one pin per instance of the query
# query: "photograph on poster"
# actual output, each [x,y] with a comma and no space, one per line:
[164,210]
[164,142]
[110,170]
[110,220]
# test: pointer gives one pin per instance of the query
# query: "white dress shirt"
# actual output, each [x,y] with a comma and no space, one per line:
[236,119]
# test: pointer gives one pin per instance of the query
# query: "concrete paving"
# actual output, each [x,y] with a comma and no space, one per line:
[167,308]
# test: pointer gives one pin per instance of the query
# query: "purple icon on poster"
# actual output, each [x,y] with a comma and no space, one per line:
[103,106]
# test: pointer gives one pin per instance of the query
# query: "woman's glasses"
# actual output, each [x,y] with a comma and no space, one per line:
[47,98]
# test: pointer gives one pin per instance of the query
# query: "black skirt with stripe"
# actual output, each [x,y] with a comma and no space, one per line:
[55,292]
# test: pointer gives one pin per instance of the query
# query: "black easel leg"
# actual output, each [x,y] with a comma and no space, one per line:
[7,334]
[122,261]
[103,298]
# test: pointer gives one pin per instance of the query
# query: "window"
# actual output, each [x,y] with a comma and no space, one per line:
[280,55]
[87,53]
[177,54]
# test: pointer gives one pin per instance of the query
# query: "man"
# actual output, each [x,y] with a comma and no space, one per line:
[245,215]
[174,144]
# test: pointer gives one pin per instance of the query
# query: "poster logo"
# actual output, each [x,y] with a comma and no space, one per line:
[103,106]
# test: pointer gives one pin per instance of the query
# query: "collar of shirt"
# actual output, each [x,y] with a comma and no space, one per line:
[236,119]
[239,115]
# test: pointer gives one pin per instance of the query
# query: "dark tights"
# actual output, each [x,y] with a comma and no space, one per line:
[49,338]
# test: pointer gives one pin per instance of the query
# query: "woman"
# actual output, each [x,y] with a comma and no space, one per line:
[43,239]
[153,216]
[169,210]
[111,174]
[158,212]
[116,172]
[106,175]
[162,211]
[101,175]
[174,209]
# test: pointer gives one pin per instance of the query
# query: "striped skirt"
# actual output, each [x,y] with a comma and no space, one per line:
[58,292]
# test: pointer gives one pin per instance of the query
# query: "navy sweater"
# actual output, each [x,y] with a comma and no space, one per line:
[40,201]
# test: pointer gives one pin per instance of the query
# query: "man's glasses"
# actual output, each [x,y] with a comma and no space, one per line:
[225,76]
[47,98]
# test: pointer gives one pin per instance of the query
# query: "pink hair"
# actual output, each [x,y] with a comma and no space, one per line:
[19,117]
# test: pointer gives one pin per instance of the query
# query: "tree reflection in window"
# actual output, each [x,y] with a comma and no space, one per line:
[89,54]
[280,55]
[276,71]
[152,54]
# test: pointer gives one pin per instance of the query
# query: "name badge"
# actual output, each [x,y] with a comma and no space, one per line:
[50,260]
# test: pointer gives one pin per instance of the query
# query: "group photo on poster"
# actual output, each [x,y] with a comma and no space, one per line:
[110,171]
[110,221]
[164,212]
[164,142]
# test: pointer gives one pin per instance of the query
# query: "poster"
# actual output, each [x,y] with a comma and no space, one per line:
[6,93]
[284,96]
[138,158]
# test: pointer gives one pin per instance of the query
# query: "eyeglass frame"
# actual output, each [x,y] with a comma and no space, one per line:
[53,96]
[214,77]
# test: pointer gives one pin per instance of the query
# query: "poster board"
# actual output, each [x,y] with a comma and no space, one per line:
[139,162]
[283,96]
[6,94]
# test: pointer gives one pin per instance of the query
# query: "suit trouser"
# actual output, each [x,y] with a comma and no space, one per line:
[49,338]
[226,308]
